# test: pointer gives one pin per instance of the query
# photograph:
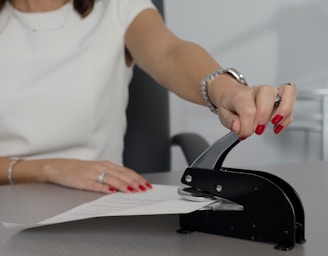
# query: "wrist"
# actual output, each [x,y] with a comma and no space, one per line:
[220,87]
[11,167]
[215,84]
[28,171]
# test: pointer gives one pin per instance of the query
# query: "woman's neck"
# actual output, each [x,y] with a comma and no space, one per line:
[37,5]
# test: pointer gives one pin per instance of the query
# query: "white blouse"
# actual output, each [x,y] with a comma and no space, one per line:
[64,81]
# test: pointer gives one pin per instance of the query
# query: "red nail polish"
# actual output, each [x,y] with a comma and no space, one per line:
[112,189]
[242,138]
[131,189]
[148,185]
[278,129]
[276,119]
[260,129]
[142,188]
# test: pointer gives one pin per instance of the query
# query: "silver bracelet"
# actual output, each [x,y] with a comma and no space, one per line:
[10,170]
[204,82]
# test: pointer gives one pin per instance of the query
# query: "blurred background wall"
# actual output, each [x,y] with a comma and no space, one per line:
[272,42]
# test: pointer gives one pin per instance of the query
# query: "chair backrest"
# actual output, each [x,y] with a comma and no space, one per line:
[147,139]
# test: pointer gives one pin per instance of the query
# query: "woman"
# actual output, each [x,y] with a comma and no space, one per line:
[65,70]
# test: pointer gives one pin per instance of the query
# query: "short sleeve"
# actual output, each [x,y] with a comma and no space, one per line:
[129,9]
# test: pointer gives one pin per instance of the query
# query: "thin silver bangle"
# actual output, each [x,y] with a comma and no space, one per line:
[10,170]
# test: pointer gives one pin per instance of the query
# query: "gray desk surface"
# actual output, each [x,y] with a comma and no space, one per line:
[149,235]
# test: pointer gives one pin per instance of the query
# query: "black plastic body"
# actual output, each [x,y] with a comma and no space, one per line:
[273,211]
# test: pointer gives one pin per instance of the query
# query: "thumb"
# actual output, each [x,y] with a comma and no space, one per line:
[230,120]
[235,124]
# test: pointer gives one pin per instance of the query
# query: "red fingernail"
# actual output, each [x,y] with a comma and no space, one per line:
[260,129]
[276,119]
[148,185]
[131,189]
[112,189]
[278,129]
[142,188]
[242,138]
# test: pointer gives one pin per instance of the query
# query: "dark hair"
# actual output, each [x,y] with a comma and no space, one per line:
[83,7]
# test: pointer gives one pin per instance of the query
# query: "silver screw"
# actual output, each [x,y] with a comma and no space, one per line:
[188,178]
[218,188]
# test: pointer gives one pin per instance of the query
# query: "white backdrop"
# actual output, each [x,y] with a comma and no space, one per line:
[272,41]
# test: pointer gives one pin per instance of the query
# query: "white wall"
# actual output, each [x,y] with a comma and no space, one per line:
[272,41]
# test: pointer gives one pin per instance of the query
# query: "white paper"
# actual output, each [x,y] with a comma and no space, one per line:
[162,199]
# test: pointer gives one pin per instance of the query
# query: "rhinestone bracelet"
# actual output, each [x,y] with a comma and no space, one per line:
[204,82]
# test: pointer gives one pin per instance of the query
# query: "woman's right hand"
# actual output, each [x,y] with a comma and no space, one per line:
[84,175]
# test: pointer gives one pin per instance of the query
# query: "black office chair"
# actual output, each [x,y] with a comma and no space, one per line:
[147,141]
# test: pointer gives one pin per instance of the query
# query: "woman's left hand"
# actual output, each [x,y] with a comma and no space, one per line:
[247,110]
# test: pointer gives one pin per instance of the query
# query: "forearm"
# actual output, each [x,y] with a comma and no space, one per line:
[176,64]
[186,64]
[184,67]
[75,173]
